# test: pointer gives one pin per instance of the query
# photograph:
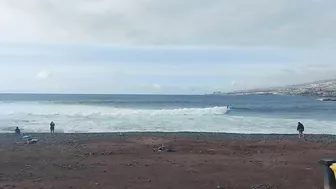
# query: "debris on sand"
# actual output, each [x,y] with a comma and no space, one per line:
[28,141]
[98,153]
[31,141]
[264,186]
[164,148]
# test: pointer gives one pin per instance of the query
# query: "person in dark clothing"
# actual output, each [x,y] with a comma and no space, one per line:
[52,127]
[300,128]
[17,131]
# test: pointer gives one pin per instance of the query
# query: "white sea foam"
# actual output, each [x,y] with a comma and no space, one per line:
[36,109]
[35,117]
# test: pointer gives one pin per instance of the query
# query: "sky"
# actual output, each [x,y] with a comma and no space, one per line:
[164,47]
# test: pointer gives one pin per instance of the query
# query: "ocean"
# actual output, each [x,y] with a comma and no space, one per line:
[168,113]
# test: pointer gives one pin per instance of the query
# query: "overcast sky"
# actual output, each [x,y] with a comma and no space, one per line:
[155,46]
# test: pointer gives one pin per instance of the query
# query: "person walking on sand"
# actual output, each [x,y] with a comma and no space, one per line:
[300,128]
[52,127]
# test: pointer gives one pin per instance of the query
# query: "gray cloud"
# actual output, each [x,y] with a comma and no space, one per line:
[174,22]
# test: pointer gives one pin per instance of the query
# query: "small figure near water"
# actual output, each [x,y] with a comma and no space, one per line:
[17,131]
[52,127]
[300,128]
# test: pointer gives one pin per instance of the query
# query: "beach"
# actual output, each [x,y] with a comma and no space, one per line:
[195,160]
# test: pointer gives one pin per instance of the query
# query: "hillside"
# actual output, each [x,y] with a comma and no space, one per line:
[325,88]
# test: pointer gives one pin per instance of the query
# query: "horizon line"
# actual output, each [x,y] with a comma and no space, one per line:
[163,94]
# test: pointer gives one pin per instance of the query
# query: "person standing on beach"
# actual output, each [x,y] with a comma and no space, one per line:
[52,127]
[300,128]
[17,131]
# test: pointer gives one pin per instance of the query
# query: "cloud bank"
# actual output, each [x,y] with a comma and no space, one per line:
[144,46]
[297,23]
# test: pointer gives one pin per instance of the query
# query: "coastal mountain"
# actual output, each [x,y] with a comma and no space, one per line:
[324,88]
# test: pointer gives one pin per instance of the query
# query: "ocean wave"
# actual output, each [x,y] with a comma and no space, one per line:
[327,99]
[241,117]
[281,109]
[164,123]
[86,111]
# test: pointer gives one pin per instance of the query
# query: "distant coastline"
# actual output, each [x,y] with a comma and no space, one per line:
[325,88]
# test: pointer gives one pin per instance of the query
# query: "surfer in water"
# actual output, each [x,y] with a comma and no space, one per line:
[300,128]
[52,127]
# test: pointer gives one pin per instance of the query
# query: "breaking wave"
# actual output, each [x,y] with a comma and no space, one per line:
[91,111]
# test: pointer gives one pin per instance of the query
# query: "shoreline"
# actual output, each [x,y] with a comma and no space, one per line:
[49,138]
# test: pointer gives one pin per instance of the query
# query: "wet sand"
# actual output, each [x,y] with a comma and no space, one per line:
[198,161]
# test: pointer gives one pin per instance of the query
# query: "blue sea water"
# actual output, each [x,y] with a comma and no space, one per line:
[204,113]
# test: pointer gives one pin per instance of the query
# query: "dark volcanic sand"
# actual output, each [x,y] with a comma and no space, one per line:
[199,161]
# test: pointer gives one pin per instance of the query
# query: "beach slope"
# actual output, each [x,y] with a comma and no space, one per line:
[196,161]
